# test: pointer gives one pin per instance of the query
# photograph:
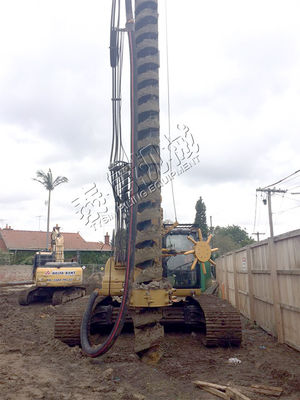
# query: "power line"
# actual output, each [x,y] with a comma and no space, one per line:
[258,234]
[255,212]
[291,181]
[39,217]
[260,219]
[294,187]
[269,192]
[288,198]
[288,209]
[283,179]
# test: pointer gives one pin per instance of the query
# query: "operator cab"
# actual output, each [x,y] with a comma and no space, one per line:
[178,268]
[40,259]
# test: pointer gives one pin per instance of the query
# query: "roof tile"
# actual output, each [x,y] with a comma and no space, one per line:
[36,240]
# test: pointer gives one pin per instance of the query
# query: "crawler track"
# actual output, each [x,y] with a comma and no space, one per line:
[221,321]
[69,317]
[68,321]
[67,294]
[56,295]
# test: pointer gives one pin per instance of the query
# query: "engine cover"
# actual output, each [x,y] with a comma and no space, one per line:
[56,277]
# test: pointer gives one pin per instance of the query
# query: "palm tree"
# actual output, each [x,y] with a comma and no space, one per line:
[46,179]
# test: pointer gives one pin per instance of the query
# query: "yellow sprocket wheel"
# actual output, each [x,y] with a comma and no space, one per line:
[202,251]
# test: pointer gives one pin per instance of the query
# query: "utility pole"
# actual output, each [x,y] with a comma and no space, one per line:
[211,225]
[258,234]
[39,217]
[269,192]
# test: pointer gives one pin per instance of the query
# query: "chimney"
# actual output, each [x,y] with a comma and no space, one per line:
[106,238]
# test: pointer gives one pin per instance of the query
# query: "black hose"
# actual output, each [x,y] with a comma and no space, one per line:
[84,330]
[85,327]
[118,326]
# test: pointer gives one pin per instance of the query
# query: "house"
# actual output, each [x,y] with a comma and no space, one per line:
[22,245]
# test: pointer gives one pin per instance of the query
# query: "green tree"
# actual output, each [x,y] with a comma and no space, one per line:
[46,179]
[200,218]
[230,238]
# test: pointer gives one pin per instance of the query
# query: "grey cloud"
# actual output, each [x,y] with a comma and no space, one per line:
[238,162]
[66,101]
[262,65]
[9,198]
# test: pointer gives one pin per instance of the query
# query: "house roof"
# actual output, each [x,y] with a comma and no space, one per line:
[11,239]
[97,245]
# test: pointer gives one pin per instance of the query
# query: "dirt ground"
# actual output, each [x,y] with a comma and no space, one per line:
[34,365]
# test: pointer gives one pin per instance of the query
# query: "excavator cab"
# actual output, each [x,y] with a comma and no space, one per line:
[177,268]
[40,259]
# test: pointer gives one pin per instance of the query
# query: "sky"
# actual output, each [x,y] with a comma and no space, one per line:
[234,104]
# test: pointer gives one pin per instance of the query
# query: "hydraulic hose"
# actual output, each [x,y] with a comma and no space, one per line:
[88,349]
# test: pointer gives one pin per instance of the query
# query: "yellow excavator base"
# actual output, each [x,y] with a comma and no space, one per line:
[58,277]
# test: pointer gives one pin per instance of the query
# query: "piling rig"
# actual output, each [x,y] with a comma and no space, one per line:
[147,285]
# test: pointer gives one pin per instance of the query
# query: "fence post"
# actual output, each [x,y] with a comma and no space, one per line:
[236,289]
[250,283]
[220,275]
[226,278]
[272,262]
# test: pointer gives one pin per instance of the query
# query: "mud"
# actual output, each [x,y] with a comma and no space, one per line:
[34,365]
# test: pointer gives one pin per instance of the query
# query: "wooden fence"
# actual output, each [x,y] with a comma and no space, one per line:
[263,282]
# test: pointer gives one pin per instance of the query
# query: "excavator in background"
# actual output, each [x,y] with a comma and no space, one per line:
[54,279]
[158,274]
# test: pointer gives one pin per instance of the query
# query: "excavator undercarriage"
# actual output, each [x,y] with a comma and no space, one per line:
[215,317]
